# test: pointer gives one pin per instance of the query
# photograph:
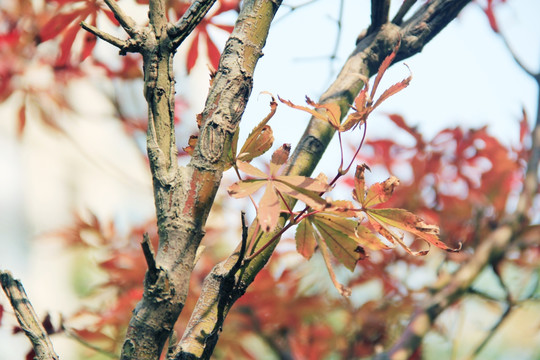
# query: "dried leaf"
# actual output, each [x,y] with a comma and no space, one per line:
[331,113]
[380,192]
[279,157]
[260,139]
[359,192]
[411,223]
[191,144]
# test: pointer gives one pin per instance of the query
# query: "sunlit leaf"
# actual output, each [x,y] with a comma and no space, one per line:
[380,192]
[245,188]
[279,157]
[260,139]
[269,209]
[411,223]
[251,170]
[331,113]
[343,247]
[343,290]
[305,239]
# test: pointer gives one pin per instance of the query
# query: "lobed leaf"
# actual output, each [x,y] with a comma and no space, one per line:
[260,139]
[279,157]
[392,90]
[404,220]
[331,112]
[310,198]
[343,290]
[379,193]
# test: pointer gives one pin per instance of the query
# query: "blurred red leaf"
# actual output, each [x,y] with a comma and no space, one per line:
[213,52]
[58,24]
[193,52]
[21,123]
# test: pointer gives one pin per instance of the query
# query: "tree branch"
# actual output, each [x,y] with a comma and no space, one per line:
[403,10]
[379,14]
[125,21]
[191,18]
[426,23]
[27,317]
[121,44]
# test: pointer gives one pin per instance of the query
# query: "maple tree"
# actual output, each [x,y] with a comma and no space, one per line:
[174,301]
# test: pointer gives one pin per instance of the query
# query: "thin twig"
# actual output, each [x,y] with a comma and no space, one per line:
[191,18]
[379,14]
[403,10]
[70,333]
[150,258]
[127,22]
[491,332]
[339,22]
[27,318]
[243,246]
[121,44]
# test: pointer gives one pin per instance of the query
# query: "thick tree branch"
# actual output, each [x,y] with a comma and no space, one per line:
[27,317]
[218,293]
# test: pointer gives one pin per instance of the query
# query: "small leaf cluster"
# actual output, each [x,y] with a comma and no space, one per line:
[338,227]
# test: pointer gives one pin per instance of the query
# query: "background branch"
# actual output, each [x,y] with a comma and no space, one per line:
[27,317]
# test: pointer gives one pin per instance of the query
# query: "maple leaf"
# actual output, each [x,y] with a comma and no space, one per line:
[330,113]
[344,237]
[363,103]
[259,140]
[302,188]
[382,219]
